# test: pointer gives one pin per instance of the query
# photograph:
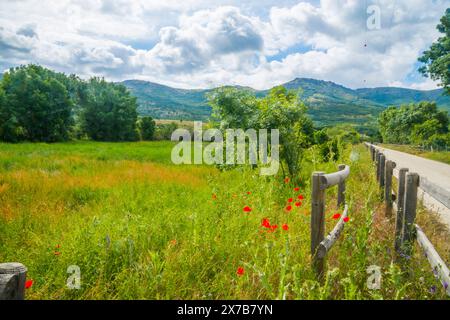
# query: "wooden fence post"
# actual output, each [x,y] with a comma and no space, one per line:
[341,189]
[382,169]
[12,281]
[390,165]
[377,163]
[372,152]
[409,207]
[400,203]
[317,221]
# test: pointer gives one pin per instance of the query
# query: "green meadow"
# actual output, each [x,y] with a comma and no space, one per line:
[139,227]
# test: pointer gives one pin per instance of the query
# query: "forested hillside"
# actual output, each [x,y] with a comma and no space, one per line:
[328,102]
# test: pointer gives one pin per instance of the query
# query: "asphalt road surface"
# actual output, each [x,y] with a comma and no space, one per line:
[436,172]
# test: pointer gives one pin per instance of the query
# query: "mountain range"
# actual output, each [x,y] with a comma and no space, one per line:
[328,103]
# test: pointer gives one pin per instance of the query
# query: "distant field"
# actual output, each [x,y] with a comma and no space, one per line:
[441,156]
[140,227]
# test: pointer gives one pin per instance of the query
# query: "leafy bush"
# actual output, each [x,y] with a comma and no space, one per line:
[164,131]
[147,128]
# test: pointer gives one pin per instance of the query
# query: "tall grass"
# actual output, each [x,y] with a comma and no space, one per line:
[141,228]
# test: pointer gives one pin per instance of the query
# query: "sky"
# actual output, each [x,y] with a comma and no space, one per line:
[208,43]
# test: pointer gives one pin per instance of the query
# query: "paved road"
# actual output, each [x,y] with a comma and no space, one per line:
[437,173]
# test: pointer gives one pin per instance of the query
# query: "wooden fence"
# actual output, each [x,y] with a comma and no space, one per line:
[404,199]
[12,281]
[320,245]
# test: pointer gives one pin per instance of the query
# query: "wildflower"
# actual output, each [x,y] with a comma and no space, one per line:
[285,227]
[300,197]
[247,209]
[28,283]
[289,208]
[58,246]
[433,289]
[273,227]
[445,285]
[214,196]
[286,180]
[240,271]
[296,189]
[57,253]
[298,204]
[173,242]
[290,200]
[346,219]
[265,223]
[336,216]
[248,192]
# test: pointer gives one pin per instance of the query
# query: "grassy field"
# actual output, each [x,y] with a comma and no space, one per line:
[441,156]
[141,228]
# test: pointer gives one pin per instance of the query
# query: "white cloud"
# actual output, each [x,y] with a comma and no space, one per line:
[207,43]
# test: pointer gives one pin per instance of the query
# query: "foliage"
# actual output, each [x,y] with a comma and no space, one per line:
[280,109]
[147,128]
[414,123]
[437,58]
[110,112]
[164,131]
[36,106]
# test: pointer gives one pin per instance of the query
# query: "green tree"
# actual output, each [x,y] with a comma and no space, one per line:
[437,58]
[422,132]
[109,113]
[397,124]
[283,110]
[147,127]
[280,109]
[234,108]
[37,106]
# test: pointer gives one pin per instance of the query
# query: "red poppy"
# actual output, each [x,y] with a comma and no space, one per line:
[285,227]
[28,284]
[298,204]
[240,271]
[346,219]
[248,192]
[290,200]
[214,196]
[286,180]
[57,253]
[336,216]
[273,227]
[265,223]
[296,189]
[58,246]
[173,242]
[300,197]
[289,208]
[247,209]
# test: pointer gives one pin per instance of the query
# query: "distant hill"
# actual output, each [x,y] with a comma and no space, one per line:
[329,103]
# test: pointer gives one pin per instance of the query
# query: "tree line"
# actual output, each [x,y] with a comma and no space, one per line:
[421,124]
[40,105]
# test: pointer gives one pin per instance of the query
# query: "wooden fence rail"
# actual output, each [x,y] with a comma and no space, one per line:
[319,245]
[405,201]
